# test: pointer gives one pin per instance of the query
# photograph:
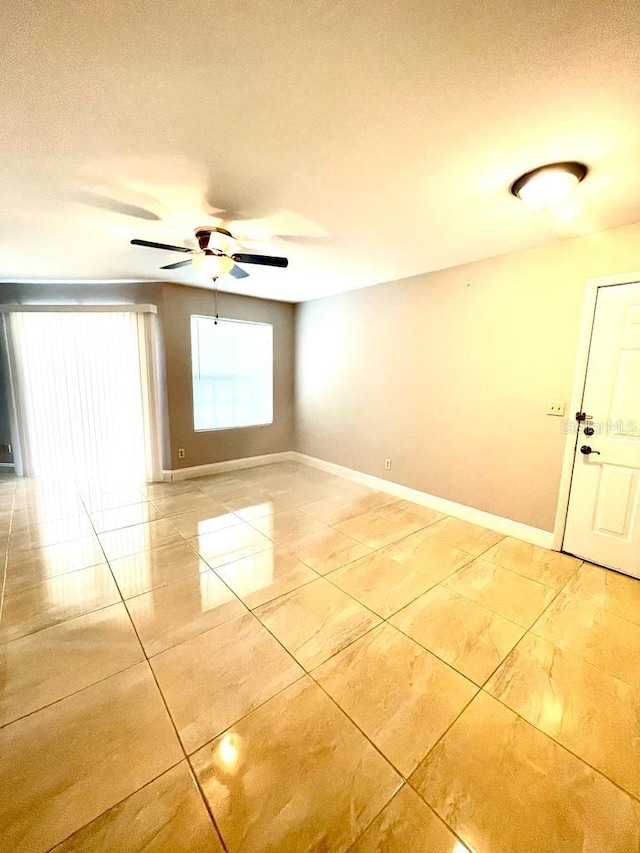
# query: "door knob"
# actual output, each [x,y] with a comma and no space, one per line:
[586,450]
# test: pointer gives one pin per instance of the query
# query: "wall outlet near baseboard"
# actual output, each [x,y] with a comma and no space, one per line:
[181,453]
[555,407]
[387,464]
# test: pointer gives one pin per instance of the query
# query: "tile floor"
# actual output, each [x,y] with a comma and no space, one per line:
[276,659]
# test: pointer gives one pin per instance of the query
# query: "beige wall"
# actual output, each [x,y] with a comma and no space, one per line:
[179,303]
[449,374]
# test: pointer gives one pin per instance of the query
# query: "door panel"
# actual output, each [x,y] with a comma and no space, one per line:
[626,385]
[603,521]
[616,496]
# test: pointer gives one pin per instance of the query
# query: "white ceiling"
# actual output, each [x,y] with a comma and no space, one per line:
[386,134]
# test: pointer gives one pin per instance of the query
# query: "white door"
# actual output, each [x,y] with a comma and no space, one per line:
[603,521]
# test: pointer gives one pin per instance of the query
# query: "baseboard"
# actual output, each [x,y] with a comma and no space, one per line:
[231,465]
[505,526]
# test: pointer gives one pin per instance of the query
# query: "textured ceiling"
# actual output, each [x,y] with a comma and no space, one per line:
[379,139]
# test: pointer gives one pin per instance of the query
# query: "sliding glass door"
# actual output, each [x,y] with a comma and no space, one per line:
[84,394]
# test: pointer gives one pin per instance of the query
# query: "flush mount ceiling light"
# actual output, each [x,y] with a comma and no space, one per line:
[547,186]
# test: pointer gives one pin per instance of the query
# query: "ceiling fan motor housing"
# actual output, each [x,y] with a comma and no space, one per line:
[217,239]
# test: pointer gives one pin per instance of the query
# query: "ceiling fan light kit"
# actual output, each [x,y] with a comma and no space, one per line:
[547,186]
[212,266]
[216,255]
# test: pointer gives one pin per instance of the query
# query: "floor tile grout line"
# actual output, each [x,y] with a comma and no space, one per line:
[572,654]
[496,612]
[579,600]
[188,755]
[300,677]
[301,507]
[72,693]
[327,577]
[6,554]
[276,597]
[214,569]
[445,732]
[482,689]
[251,611]
[424,758]
[436,655]
[305,671]
[429,651]
[401,566]
[342,648]
[406,784]
[348,563]
[310,674]
[333,526]
[635,797]
[181,642]
[95,533]
[61,574]
[61,621]
[115,805]
[516,572]
[405,778]
[527,631]
[400,773]
[208,743]
[475,683]
[449,826]
[169,715]
[163,700]
[393,541]
[385,621]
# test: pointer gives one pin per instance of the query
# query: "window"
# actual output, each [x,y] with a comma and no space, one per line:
[232,367]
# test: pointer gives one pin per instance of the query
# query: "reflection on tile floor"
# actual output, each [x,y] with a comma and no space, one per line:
[276,659]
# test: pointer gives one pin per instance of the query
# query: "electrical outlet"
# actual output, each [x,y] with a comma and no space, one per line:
[181,453]
[387,464]
[555,407]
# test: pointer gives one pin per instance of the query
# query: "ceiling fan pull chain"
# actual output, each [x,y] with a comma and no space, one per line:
[215,301]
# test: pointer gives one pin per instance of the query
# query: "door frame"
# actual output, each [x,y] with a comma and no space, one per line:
[579,381]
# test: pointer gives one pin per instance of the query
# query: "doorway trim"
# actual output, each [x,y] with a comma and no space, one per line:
[579,380]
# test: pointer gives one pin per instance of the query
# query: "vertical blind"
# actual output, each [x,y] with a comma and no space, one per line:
[83,394]
[232,366]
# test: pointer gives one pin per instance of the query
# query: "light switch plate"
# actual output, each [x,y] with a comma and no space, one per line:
[556,407]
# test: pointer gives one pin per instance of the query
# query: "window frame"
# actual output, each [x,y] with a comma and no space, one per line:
[244,323]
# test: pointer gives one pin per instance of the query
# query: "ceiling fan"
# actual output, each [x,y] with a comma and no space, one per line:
[216,255]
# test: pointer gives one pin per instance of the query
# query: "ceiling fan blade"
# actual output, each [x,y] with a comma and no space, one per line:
[161,246]
[236,272]
[177,265]
[302,240]
[265,260]
[114,205]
